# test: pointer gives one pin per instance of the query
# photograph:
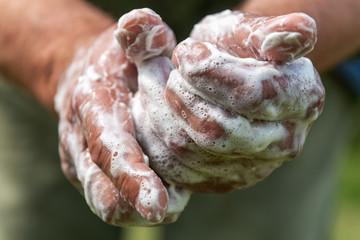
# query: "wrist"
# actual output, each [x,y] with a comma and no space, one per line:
[38,47]
[58,58]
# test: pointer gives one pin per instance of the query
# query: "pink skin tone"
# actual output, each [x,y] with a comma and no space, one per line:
[104,138]
[83,100]
[246,35]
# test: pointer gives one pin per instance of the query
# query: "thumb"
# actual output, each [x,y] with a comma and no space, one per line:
[143,35]
[282,38]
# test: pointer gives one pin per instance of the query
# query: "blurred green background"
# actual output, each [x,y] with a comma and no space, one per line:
[347,221]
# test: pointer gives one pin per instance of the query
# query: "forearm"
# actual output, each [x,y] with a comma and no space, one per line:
[338,24]
[39,38]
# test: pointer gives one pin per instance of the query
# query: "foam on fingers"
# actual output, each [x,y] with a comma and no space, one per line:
[100,193]
[230,117]
[144,35]
[246,86]
[128,168]
[285,38]
[281,39]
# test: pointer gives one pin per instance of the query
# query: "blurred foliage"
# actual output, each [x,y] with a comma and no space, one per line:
[347,224]
[350,186]
[143,233]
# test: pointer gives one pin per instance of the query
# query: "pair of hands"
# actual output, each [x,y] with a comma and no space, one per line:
[137,135]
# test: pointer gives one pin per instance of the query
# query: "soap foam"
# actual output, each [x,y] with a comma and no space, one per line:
[258,134]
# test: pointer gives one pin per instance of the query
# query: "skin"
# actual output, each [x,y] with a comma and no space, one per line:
[204,147]
[335,22]
[35,63]
[41,67]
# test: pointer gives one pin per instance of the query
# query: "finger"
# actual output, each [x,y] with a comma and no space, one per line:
[221,133]
[265,144]
[178,199]
[100,99]
[143,35]
[225,137]
[227,163]
[160,134]
[194,112]
[164,163]
[66,115]
[255,89]
[100,193]
[110,62]
[67,165]
[162,142]
[109,130]
[281,39]
[284,38]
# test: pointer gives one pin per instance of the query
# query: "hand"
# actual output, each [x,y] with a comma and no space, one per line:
[239,103]
[99,151]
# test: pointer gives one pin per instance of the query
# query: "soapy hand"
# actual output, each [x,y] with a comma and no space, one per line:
[239,103]
[99,151]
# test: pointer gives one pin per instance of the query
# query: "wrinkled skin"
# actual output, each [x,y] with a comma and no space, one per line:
[138,135]
[97,132]
[221,121]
